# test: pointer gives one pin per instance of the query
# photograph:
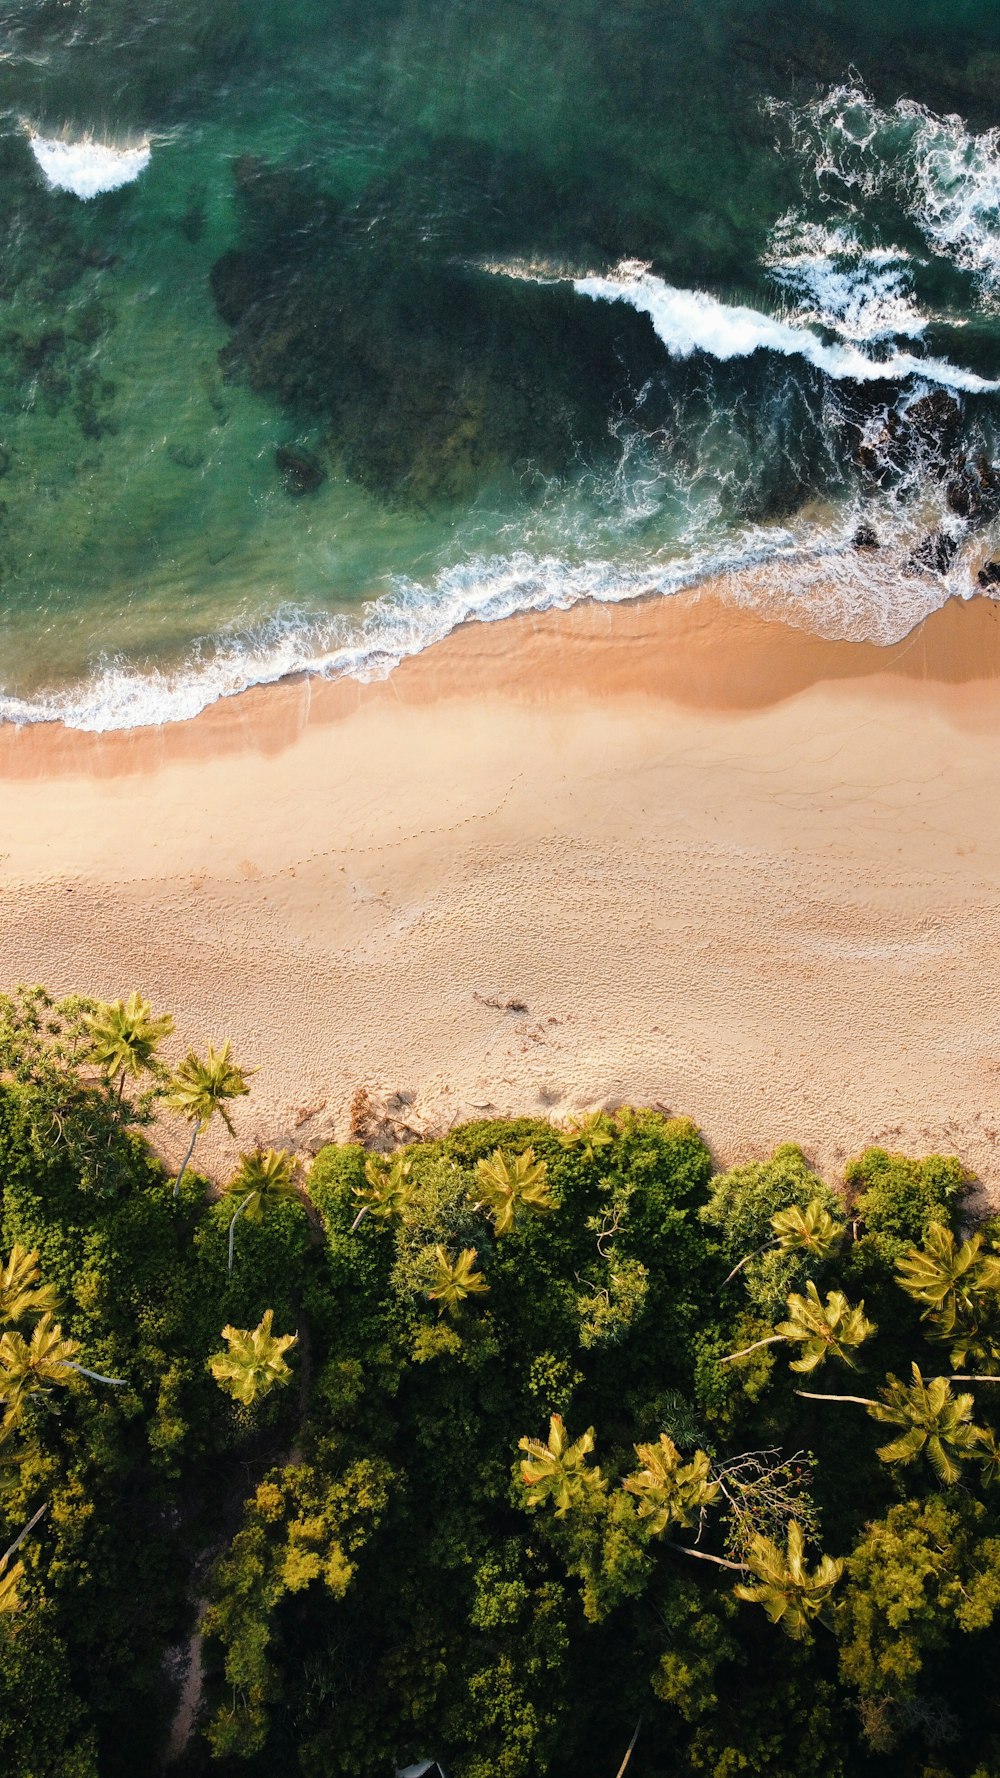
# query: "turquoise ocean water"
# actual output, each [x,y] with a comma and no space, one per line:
[325,325]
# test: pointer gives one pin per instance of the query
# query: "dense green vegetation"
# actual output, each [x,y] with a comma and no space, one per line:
[509,1449]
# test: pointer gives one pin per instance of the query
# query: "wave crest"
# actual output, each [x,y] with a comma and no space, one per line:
[85,167]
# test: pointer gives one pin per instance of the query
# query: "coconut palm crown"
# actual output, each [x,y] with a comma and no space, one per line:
[812,1230]
[834,1329]
[933,1423]
[670,1491]
[455,1279]
[21,1291]
[125,1036]
[506,1183]
[255,1362]
[791,1594]
[558,1471]
[264,1177]
[200,1088]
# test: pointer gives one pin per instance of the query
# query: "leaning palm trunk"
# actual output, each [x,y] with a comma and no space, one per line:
[232,1228]
[628,1751]
[95,1376]
[772,1340]
[684,1549]
[26,1532]
[184,1164]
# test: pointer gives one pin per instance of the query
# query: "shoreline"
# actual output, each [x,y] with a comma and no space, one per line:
[726,864]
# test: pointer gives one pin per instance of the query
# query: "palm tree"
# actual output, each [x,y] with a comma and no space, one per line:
[791,1595]
[506,1182]
[959,1287]
[255,1363]
[200,1088]
[812,1230]
[824,1330]
[27,1366]
[669,1491]
[933,1422]
[557,1470]
[588,1134]
[266,1176]
[455,1279]
[388,1189]
[124,1037]
[21,1294]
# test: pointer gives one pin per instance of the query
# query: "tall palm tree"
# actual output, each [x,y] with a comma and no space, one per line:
[812,1230]
[670,1491]
[21,1292]
[28,1367]
[200,1088]
[958,1286]
[833,1329]
[508,1182]
[255,1362]
[933,1423]
[558,1471]
[791,1594]
[455,1279]
[125,1036]
[388,1189]
[264,1177]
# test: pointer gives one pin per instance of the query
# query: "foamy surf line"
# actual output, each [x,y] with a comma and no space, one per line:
[415,617]
[85,167]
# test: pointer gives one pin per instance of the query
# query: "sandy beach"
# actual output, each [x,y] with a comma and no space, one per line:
[663,853]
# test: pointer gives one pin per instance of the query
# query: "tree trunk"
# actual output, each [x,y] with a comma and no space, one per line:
[861,1401]
[684,1549]
[772,1340]
[232,1229]
[187,1157]
[19,1539]
[745,1261]
[116,1382]
[628,1751]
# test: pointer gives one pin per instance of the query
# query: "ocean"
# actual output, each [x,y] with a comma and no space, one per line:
[328,325]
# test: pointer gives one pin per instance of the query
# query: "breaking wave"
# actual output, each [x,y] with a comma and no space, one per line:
[688,321]
[85,167]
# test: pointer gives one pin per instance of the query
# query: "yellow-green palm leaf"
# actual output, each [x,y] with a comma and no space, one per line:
[933,1423]
[834,1329]
[670,1491]
[792,1595]
[940,1270]
[202,1086]
[387,1193]
[506,1183]
[455,1279]
[11,1574]
[262,1178]
[255,1362]
[588,1134]
[21,1293]
[28,1367]
[558,1471]
[812,1230]
[126,1034]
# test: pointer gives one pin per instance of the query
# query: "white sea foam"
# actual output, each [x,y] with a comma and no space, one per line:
[943,175]
[689,321]
[863,293]
[85,167]
[809,574]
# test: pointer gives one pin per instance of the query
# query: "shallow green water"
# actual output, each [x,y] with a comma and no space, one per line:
[364,233]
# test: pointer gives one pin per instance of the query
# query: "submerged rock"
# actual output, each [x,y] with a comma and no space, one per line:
[989,575]
[974,492]
[301,470]
[865,538]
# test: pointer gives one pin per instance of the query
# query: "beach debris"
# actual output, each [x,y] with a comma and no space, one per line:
[498,1005]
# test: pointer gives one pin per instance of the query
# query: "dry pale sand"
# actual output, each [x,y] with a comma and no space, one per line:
[724,865]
